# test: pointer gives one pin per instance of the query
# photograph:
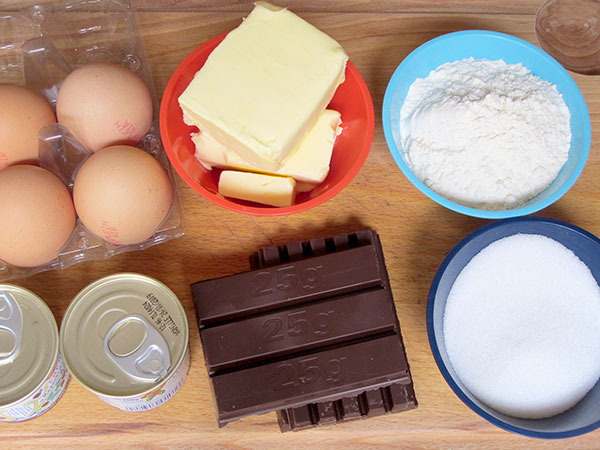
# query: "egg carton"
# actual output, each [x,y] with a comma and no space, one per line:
[39,46]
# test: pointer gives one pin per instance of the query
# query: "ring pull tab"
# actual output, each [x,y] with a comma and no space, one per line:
[150,361]
[11,320]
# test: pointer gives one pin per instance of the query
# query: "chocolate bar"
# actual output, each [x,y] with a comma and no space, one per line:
[311,332]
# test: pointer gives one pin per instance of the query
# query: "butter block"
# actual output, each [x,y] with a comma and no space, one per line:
[301,186]
[256,187]
[265,85]
[308,163]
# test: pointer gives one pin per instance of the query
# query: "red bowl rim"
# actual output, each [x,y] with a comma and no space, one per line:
[267,210]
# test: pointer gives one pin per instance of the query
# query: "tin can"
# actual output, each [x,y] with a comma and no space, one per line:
[125,338]
[33,375]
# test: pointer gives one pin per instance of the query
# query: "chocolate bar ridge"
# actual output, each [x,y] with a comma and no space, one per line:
[311,332]
[394,398]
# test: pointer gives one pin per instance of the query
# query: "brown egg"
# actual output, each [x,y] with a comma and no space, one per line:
[122,194]
[104,104]
[37,215]
[22,113]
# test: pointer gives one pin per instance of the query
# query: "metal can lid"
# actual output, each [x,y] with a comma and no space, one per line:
[123,334]
[28,343]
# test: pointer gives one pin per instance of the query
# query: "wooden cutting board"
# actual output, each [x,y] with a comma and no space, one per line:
[416,234]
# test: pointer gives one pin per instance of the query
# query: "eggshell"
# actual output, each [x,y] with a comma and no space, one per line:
[37,215]
[22,113]
[122,194]
[104,104]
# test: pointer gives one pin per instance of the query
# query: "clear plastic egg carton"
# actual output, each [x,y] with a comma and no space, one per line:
[39,47]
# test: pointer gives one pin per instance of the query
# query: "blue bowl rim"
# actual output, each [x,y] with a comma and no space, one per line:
[435,350]
[484,214]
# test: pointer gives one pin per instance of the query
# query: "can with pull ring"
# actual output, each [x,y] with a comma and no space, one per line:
[125,338]
[33,375]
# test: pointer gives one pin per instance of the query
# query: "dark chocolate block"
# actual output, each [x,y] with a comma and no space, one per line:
[310,332]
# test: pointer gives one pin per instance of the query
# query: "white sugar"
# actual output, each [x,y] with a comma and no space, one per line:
[522,327]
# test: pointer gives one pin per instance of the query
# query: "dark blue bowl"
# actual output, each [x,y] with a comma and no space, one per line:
[585,415]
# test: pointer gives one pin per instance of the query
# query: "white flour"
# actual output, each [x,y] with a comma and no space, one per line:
[484,133]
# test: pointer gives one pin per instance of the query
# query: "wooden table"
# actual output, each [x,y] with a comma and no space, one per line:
[416,235]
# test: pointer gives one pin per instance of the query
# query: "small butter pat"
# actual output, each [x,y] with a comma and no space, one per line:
[265,85]
[309,163]
[255,187]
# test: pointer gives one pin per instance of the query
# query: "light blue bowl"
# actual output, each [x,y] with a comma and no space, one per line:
[491,45]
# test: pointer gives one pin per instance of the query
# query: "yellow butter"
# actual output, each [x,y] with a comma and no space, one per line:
[265,85]
[302,186]
[256,187]
[308,163]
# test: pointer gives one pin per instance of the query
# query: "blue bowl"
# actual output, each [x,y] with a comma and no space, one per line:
[585,415]
[490,45]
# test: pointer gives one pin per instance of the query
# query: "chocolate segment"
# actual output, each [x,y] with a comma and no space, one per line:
[306,280]
[296,381]
[297,329]
[310,332]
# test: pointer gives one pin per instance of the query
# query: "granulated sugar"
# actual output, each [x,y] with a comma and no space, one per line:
[485,134]
[522,327]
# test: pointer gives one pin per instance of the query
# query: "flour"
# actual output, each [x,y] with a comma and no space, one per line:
[485,134]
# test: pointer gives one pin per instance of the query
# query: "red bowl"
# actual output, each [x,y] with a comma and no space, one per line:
[352,100]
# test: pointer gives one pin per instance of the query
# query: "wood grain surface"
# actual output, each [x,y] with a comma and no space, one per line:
[416,234]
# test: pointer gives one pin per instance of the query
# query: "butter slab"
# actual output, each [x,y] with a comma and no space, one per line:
[265,85]
[260,188]
[308,163]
